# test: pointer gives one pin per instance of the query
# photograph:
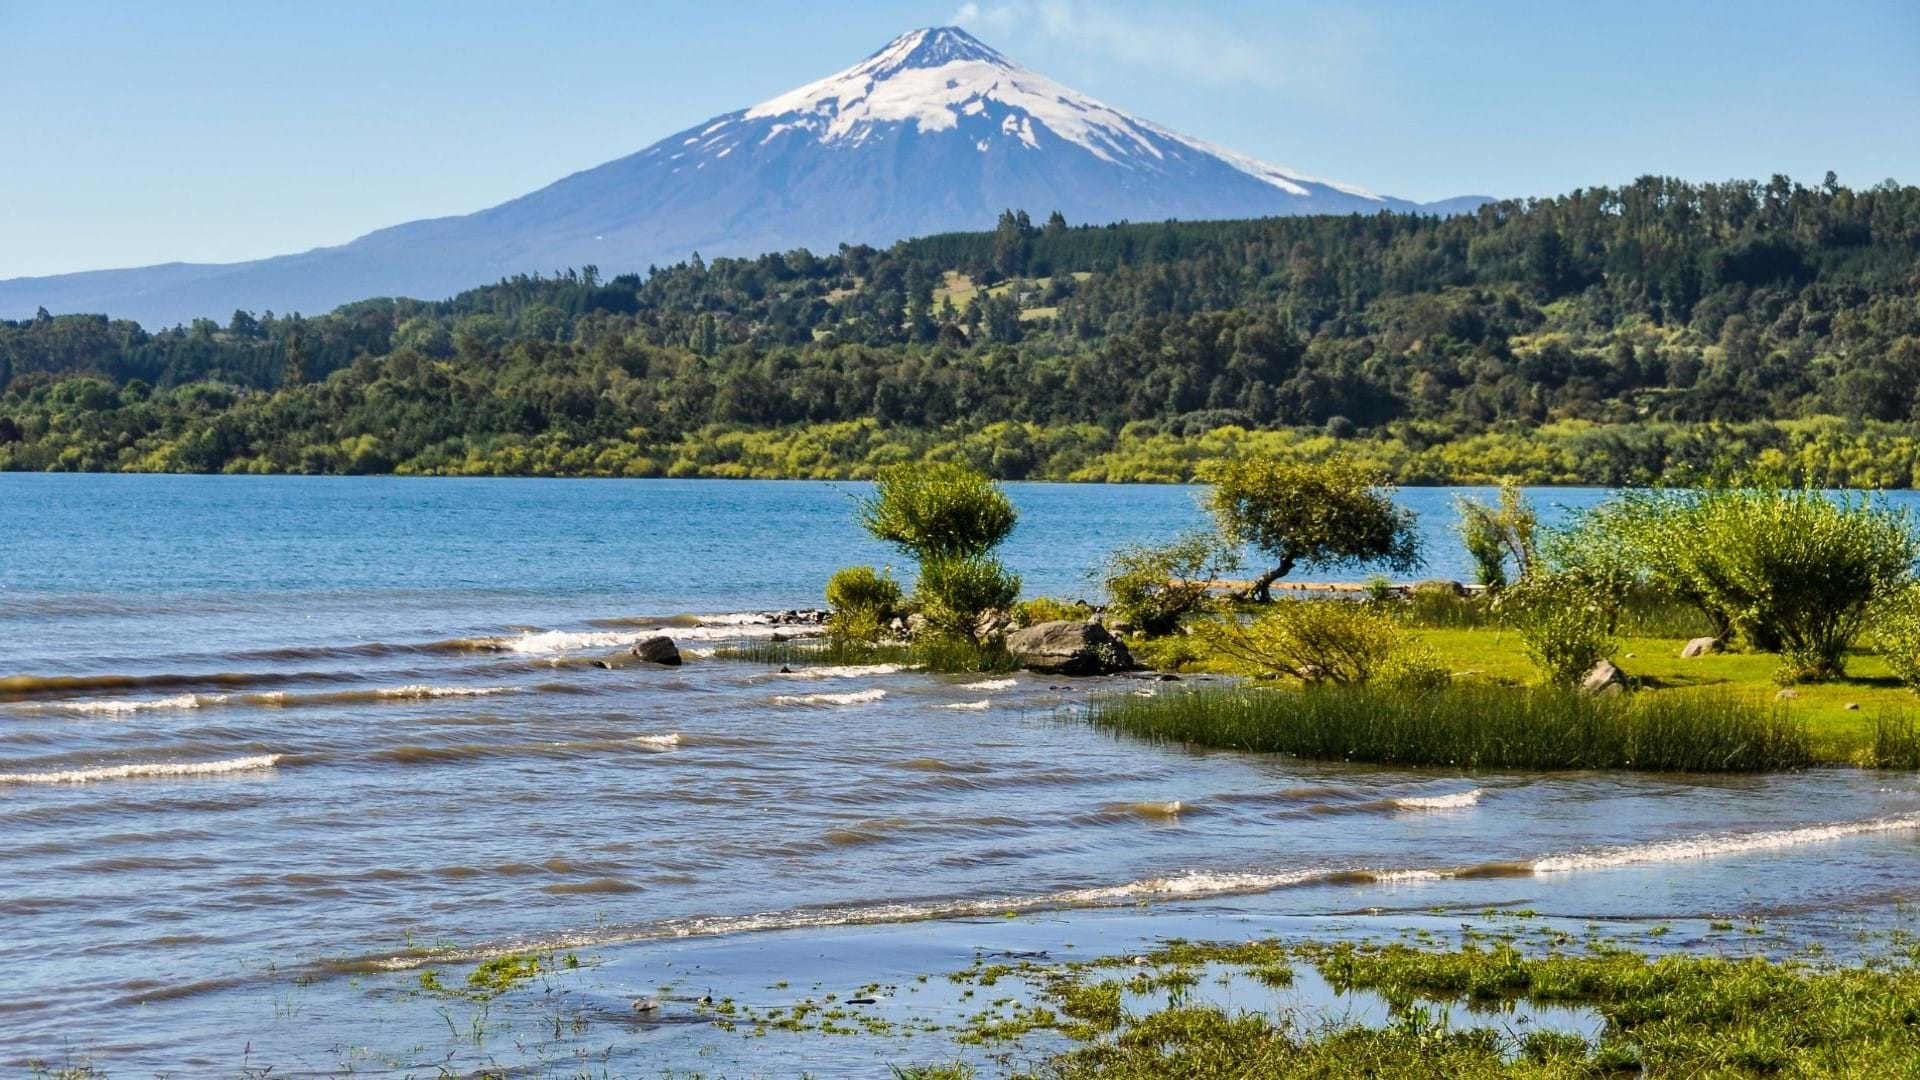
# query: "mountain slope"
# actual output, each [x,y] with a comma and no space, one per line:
[935,132]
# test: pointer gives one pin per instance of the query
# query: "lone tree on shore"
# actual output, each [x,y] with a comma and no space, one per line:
[1322,515]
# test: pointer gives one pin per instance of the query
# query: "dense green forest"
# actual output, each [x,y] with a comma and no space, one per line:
[1609,335]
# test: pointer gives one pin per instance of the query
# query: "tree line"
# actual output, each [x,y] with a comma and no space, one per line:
[1659,303]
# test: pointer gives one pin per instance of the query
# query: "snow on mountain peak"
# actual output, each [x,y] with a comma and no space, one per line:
[939,77]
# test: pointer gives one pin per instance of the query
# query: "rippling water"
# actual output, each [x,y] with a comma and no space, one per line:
[261,729]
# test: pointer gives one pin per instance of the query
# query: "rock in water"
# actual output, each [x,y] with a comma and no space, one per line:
[1069,648]
[1701,646]
[1604,679]
[658,650]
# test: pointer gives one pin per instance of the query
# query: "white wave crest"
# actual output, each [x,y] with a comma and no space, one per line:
[1190,883]
[857,697]
[550,642]
[967,706]
[419,691]
[992,684]
[1459,800]
[844,671]
[122,772]
[1711,845]
[662,741]
[121,708]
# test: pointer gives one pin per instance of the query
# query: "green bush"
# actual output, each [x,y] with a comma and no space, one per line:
[954,591]
[1896,634]
[938,510]
[1793,571]
[1413,667]
[1043,609]
[1154,586]
[862,602]
[863,587]
[1564,625]
[1439,605]
[1337,641]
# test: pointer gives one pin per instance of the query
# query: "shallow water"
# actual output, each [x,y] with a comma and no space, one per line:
[262,734]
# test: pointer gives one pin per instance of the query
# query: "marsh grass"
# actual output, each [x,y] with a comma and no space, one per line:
[939,654]
[1667,1016]
[1896,741]
[815,652]
[1474,726]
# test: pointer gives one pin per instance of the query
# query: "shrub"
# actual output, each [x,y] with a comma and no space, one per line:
[1440,605]
[1563,626]
[938,510]
[1494,534]
[1415,668]
[1319,514]
[1042,609]
[863,601]
[1335,641]
[1154,586]
[1896,634]
[1794,571]
[954,591]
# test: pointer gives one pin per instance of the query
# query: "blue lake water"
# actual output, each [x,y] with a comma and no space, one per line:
[269,746]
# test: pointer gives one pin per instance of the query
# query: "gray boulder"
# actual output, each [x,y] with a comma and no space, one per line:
[1069,648]
[1701,646]
[1604,679]
[657,650]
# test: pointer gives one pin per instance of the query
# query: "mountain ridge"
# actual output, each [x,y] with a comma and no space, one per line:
[934,132]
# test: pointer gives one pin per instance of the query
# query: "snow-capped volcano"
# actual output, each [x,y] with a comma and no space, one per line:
[938,78]
[933,133]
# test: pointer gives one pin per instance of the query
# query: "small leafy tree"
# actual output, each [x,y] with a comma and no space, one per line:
[937,510]
[1320,514]
[1496,534]
[948,517]
[1336,641]
[1154,586]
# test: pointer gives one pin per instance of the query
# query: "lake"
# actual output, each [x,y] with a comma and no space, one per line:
[270,747]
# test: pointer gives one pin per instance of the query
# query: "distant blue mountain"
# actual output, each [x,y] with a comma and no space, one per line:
[934,133]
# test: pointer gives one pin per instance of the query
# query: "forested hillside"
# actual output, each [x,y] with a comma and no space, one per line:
[1608,335]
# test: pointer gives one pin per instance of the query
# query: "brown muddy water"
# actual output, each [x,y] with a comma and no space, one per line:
[269,750]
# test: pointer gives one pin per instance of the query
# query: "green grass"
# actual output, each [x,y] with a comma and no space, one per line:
[1474,726]
[1851,719]
[1838,732]
[1670,1016]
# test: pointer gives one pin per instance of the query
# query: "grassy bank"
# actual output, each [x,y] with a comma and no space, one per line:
[1864,718]
[1474,726]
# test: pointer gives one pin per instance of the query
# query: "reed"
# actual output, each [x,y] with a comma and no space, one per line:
[815,652]
[941,654]
[1474,726]
[1896,741]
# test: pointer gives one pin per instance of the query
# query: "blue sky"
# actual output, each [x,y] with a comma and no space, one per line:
[142,133]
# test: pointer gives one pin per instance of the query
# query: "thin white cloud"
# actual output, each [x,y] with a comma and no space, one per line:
[1311,55]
